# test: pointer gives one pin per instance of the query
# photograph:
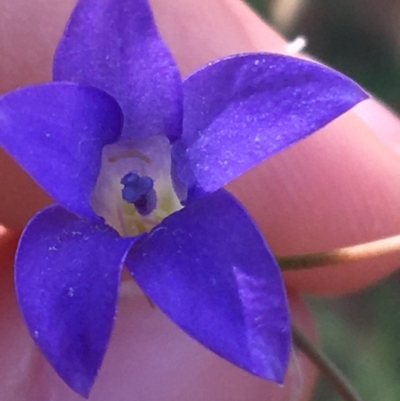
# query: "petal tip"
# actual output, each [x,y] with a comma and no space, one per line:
[81,384]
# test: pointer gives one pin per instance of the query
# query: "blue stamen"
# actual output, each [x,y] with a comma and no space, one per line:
[139,191]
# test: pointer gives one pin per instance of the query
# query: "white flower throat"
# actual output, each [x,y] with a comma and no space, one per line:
[134,190]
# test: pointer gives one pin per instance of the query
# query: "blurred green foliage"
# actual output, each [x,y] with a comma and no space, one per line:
[360,332]
[259,5]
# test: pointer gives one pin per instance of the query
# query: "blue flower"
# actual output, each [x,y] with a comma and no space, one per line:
[136,160]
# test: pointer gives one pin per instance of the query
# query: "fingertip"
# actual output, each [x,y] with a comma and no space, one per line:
[214,29]
[383,122]
[337,188]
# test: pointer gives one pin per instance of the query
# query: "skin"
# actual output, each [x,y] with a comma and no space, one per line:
[334,189]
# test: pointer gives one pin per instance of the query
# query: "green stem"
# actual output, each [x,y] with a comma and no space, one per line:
[341,255]
[327,368]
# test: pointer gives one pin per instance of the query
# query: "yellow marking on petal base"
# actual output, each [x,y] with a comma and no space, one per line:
[133,223]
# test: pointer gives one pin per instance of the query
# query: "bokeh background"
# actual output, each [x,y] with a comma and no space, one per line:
[361,38]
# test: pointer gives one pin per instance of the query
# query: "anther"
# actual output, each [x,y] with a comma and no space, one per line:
[140,192]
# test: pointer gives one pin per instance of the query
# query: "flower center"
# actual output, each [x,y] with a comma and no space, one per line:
[134,190]
[139,191]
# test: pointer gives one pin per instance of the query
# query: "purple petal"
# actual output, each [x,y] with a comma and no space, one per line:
[67,277]
[114,45]
[209,269]
[57,132]
[240,110]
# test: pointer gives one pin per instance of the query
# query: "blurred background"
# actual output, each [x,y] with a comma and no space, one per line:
[361,38]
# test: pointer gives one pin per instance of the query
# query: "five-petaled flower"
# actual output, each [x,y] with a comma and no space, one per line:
[136,160]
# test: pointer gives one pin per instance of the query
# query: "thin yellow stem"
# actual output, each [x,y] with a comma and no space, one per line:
[341,255]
